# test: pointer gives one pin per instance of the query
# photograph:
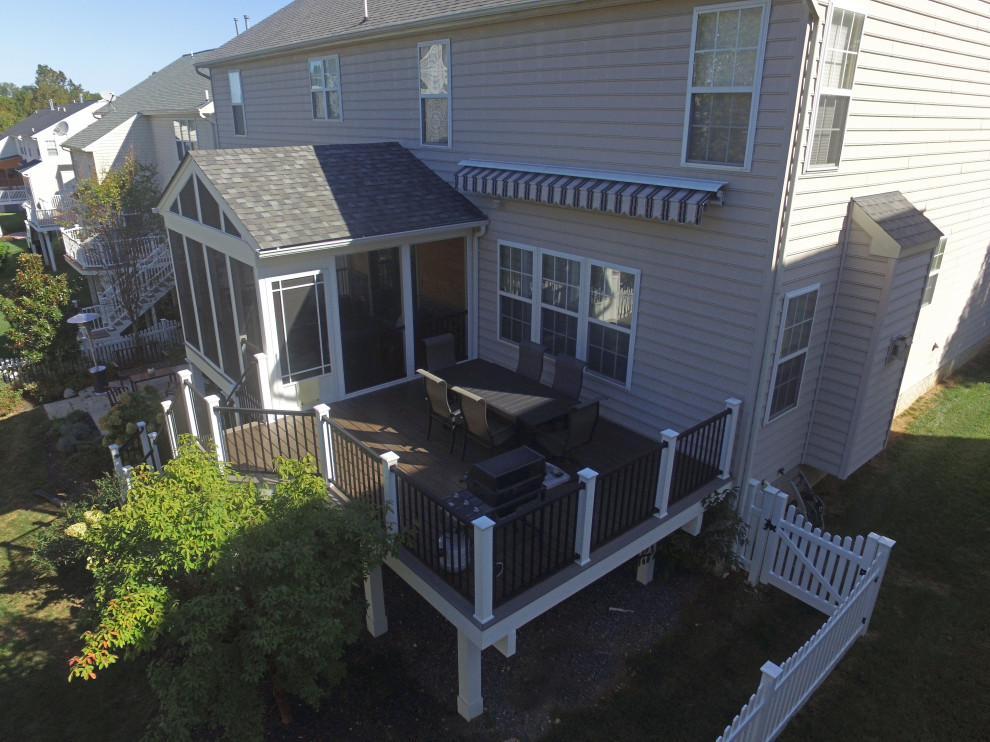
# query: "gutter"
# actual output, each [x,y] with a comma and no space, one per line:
[757,414]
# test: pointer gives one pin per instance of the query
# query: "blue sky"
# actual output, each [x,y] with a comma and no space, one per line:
[113,45]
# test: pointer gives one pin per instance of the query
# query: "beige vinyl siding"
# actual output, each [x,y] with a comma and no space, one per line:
[112,148]
[917,124]
[163,140]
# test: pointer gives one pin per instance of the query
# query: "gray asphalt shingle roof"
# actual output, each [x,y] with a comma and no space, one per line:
[899,218]
[300,195]
[177,87]
[44,118]
[307,21]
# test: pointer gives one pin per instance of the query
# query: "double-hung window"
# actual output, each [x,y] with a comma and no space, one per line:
[835,83]
[792,350]
[186,138]
[583,308]
[301,327]
[434,93]
[724,83]
[324,85]
[51,148]
[933,270]
[237,103]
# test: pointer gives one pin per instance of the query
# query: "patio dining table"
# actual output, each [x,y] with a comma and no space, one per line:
[512,396]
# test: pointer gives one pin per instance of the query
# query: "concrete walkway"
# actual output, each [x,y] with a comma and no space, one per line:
[95,404]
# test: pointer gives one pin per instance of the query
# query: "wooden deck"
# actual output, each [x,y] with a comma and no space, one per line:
[395,419]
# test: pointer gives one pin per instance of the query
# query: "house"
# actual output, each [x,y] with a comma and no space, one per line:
[159,120]
[37,169]
[781,202]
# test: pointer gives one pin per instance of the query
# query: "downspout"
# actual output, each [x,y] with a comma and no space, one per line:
[757,414]
[213,119]
[476,237]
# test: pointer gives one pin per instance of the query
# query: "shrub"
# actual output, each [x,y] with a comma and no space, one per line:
[10,398]
[713,550]
[144,405]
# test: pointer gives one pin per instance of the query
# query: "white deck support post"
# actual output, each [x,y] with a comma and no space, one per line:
[585,514]
[729,437]
[375,618]
[173,438]
[484,568]
[880,546]
[264,383]
[666,471]
[185,390]
[389,460]
[469,701]
[326,440]
[214,401]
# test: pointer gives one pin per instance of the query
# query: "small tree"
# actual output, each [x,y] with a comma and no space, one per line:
[116,210]
[33,303]
[228,587]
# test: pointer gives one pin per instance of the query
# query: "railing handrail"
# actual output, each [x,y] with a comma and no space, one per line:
[350,436]
[704,423]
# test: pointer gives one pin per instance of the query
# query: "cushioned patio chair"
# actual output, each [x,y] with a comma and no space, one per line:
[581,422]
[440,351]
[441,409]
[478,426]
[530,362]
[568,377]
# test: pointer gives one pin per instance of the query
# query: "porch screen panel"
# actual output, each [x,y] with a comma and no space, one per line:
[184,289]
[301,322]
[204,306]
[223,300]
[246,304]
[208,206]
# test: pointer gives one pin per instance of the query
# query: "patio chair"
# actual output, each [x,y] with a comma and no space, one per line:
[581,423]
[440,351]
[441,409]
[478,426]
[568,378]
[530,362]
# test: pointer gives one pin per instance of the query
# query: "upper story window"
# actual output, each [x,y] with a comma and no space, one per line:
[584,308]
[835,83]
[792,349]
[324,85]
[434,93]
[933,271]
[723,92]
[51,148]
[186,138]
[237,103]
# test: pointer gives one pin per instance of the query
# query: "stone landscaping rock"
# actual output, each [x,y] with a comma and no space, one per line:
[69,393]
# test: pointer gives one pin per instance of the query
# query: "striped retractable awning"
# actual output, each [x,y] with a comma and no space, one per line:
[674,202]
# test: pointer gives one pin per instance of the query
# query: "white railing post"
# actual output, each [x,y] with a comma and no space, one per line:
[881,547]
[375,618]
[185,390]
[173,439]
[669,437]
[585,514]
[156,457]
[391,491]
[326,440]
[484,572]
[118,465]
[729,436]
[214,402]
[264,383]
[146,444]
[764,695]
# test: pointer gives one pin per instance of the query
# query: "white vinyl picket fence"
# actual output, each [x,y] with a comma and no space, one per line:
[839,576]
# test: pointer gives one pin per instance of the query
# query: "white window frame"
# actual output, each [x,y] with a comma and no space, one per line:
[237,101]
[802,351]
[51,147]
[435,96]
[186,136]
[325,89]
[822,90]
[933,271]
[286,375]
[753,89]
[584,318]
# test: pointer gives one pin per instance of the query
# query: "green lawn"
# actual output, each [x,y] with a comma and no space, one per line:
[39,628]
[919,674]
[10,250]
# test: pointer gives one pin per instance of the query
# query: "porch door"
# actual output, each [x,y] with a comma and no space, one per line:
[439,294]
[369,298]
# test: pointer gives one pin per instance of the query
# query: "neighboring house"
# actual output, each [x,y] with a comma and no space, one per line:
[771,200]
[160,119]
[44,168]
